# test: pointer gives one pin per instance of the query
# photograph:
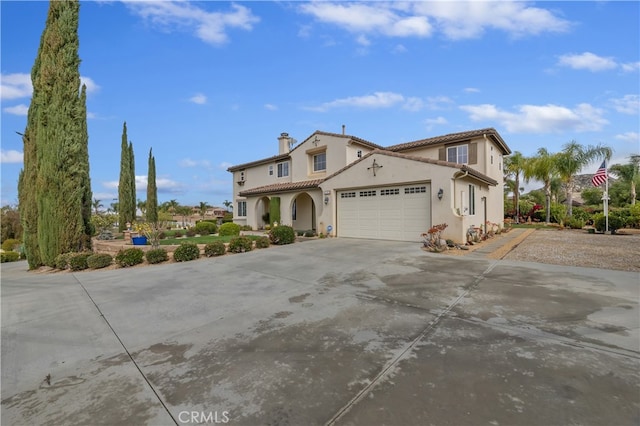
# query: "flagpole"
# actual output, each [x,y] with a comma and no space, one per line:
[606,197]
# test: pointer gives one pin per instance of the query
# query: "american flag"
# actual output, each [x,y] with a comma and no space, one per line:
[601,175]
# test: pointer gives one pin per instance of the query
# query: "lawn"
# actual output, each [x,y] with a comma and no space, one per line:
[205,239]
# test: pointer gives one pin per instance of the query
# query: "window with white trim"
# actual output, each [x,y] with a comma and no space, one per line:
[242,208]
[320,162]
[270,169]
[283,169]
[472,199]
[458,154]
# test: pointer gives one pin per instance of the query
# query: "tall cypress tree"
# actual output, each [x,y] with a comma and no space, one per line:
[126,186]
[55,179]
[152,191]
[133,202]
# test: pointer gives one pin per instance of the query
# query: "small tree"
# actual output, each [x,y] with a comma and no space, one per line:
[152,191]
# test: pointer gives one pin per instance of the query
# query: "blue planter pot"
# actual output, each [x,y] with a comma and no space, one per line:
[139,241]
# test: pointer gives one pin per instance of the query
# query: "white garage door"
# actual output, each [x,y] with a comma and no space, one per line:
[399,213]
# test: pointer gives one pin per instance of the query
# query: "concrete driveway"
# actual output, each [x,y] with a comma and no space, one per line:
[336,331]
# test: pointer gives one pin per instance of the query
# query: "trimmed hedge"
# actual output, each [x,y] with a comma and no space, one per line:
[10,244]
[129,257]
[216,248]
[78,261]
[9,256]
[99,260]
[282,234]
[206,228]
[229,228]
[158,255]
[262,242]
[240,244]
[62,261]
[186,252]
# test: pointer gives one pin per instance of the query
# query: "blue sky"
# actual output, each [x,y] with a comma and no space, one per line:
[211,84]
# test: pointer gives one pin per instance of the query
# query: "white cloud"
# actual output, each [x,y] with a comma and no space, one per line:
[471,90]
[376,100]
[455,20]
[188,162]
[270,107]
[224,165]
[413,104]
[363,40]
[164,185]
[11,156]
[199,99]
[20,109]
[439,102]
[399,48]
[541,118]
[628,104]
[431,122]
[628,137]
[630,66]
[463,20]
[210,27]
[15,86]
[371,18]
[92,87]
[587,61]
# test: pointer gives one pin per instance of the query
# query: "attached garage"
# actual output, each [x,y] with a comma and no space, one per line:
[399,212]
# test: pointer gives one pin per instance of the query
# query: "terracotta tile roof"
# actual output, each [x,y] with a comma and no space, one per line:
[258,162]
[462,167]
[282,187]
[340,135]
[453,137]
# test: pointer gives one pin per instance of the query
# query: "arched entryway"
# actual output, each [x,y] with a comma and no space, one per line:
[262,212]
[303,213]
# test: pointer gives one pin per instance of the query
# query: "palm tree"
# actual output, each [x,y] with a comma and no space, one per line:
[542,168]
[228,204]
[629,173]
[514,166]
[172,206]
[184,211]
[142,206]
[96,205]
[202,208]
[572,159]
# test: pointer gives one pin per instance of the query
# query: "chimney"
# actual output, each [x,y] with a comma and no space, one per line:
[343,128]
[283,143]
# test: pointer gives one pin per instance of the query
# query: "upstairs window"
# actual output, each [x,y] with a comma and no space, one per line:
[320,162]
[271,170]
[283,169]
[458,154]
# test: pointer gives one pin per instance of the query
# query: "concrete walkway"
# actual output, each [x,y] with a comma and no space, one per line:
[333,331]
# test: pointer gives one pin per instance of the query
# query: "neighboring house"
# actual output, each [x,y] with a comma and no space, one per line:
[344,186]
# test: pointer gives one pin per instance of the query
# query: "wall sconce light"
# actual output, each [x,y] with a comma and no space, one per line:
[326,200]
[440,193]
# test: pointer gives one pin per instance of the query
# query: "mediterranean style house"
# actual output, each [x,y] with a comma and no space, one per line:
[344,186]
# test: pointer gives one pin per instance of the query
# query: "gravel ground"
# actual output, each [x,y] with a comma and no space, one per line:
[579,248]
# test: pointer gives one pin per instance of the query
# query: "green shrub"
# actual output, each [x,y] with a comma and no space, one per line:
[309,233]
[206,228]
[574,223]
[216,248]
[262,242]
[9,256]
[229,228]
[282,234]
[10,244]
[634,216]
[558,213]
[129,257]
[191,232]
[240,244]
[246,228]
[158,255]
[99,260]
[78,261]
[162,235]
[62,261]
[615,222]
[178,234]
[186,252]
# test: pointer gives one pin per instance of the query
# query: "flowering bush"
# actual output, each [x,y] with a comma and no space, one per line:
[432,239]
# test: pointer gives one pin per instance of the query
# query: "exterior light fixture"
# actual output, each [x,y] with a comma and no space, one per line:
[440,193]
[326,200]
